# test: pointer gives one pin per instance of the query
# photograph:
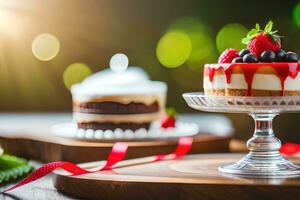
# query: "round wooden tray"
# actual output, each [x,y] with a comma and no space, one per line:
[193,177]
[31,138]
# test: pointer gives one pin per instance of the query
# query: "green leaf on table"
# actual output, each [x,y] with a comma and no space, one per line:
[12,167]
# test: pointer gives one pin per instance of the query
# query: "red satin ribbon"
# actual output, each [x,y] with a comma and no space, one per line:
[290,149]
[117,154]
[183,147]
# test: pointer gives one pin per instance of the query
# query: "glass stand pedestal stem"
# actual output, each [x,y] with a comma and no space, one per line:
[264,158]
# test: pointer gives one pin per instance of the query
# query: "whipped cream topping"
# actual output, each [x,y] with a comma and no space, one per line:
[134,81]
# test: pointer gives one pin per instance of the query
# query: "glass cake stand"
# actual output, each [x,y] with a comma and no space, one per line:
[264,159]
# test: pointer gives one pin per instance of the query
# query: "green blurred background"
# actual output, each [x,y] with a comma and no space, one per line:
[170,39]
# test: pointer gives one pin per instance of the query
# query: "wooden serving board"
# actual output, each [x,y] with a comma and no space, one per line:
[29,136]
[192,177]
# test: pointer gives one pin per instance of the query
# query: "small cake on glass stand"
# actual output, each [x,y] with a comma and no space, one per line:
[262,81]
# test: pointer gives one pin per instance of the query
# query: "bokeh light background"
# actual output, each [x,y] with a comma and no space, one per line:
[46,46]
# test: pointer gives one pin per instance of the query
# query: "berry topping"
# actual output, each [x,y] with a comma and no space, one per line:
[237,60]
[250,58]
[243,52]
[268,56]
[228,55]
[280,55]
[263,45]
[258,40]
[291,57]
[169,119]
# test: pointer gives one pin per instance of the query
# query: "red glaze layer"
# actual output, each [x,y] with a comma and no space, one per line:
[283,70]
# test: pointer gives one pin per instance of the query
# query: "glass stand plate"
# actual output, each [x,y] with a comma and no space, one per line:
[264,159]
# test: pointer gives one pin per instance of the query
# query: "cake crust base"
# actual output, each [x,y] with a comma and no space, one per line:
[241,92]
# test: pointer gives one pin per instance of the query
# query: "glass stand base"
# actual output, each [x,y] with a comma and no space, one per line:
[264,159]
[260,165]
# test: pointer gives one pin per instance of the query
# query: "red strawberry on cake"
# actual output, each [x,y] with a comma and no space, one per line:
[259,41]
[263,69]
[169,119]
[228,55]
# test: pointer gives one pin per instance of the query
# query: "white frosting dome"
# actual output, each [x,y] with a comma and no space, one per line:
[106,82]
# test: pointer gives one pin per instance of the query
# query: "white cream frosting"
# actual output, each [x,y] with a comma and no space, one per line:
[260,82]
[135,118]
[134,81]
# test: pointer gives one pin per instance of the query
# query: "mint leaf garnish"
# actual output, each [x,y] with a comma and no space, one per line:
[171,111]
[267,30]
[245,40]
[251,34]
[268,27]
[257,27]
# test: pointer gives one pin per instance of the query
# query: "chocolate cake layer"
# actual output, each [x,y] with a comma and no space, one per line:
[116,108]
[112,126]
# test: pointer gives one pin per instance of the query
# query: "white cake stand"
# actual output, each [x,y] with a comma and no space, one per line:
[264,159]
[70,130]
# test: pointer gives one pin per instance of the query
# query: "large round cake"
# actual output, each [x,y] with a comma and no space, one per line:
[252,79]
[108,100]
[263,69]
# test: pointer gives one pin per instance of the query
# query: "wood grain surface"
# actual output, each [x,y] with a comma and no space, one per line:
[28,136]
[193,177]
